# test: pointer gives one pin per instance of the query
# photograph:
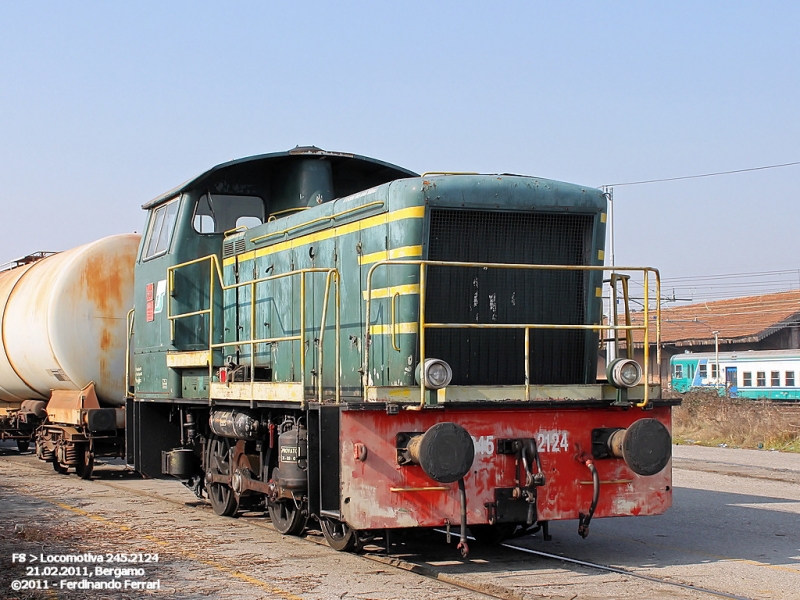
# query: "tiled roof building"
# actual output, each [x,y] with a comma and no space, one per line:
[767,322]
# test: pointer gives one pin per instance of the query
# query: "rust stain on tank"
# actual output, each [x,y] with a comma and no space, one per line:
[106,340]
[107,344]
[103,278]
[105,374]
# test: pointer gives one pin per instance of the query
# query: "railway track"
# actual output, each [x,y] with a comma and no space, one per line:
[506,571]
[625,572]
[416,557]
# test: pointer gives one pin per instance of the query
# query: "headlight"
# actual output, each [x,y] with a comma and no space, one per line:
[434,374]
[624,373]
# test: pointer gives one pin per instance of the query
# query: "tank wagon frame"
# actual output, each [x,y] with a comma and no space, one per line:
[326,336]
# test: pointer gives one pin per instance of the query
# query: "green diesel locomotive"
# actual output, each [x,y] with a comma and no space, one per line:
[328,337]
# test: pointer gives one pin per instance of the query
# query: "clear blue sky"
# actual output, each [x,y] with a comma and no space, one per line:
[105,105]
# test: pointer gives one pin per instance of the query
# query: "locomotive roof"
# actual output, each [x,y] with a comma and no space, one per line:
[361,171]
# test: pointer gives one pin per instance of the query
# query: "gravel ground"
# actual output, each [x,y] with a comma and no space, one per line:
[199,554]
[734,528]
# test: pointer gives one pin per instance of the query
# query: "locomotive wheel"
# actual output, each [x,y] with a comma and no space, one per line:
[58,467]
[23,445]
[85,465]
[339,535]
[286,517]
[218,462]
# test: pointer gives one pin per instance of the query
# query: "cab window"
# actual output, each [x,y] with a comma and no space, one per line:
[159,232]
[218,213]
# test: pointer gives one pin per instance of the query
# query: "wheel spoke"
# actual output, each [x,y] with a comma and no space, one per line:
[287,518]
[221,496]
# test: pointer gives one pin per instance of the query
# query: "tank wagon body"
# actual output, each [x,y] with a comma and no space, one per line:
[63,320]
[772,374]
[381,350]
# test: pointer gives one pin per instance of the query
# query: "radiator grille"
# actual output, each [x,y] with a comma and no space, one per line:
[475,295]
[232,247]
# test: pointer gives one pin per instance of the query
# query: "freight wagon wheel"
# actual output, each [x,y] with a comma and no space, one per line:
[218,462]
[58,467]
[23,445]
[85,464]
[286,517]
[339,535]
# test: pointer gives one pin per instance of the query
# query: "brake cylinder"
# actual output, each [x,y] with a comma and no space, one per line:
[292,473]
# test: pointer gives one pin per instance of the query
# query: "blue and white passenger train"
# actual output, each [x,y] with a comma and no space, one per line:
[773,374]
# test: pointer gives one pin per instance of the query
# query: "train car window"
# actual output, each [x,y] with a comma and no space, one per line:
[678,371]
[789,378]
[775,379]
[248,222]
[203,224]
[160,231]
[218,213]
[761,378]
[714,371]
[702,371]
[747,379]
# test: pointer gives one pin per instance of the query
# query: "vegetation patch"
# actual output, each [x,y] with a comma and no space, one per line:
[707,419]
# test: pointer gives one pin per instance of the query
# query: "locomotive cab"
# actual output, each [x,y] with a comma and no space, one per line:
[177,313]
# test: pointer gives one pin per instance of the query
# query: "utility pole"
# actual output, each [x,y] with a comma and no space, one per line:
[611,349]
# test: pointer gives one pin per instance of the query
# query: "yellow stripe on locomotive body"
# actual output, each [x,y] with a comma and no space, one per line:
[403,290]
[393,254]
[414,212]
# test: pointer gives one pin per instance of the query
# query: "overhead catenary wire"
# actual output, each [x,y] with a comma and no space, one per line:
[731,288]
[715,174]
[731,275]
[698,288]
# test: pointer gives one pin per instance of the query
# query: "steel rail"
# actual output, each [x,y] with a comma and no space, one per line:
[610,569]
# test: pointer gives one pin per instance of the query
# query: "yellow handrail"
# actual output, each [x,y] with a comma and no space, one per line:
[628,328]
[332,280]
[234,231]
[129,334]
[395,296]
[305,224]
[429,173]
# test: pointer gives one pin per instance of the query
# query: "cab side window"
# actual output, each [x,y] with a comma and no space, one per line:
[160,231]
[218,213]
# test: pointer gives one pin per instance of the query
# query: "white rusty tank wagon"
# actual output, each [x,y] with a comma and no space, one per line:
[63,325]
